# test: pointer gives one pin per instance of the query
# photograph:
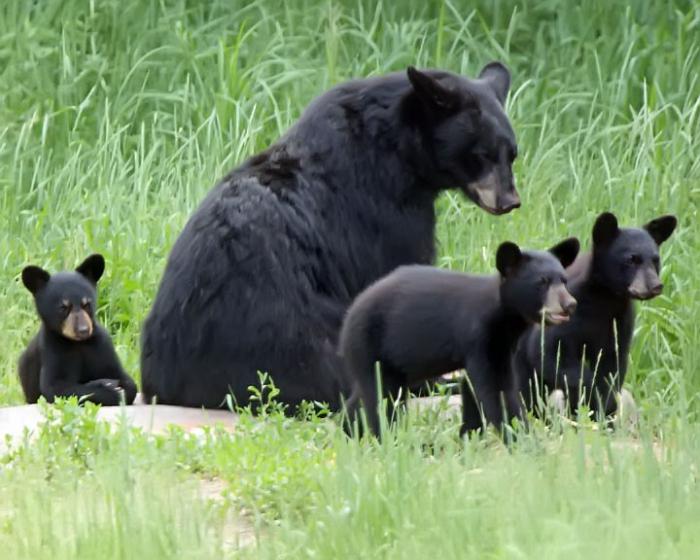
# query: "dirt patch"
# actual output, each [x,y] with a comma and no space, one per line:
[238,530]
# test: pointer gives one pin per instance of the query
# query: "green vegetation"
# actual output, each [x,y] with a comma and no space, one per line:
[117,116]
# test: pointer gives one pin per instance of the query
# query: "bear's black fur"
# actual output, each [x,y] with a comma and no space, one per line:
[72,355]
[420,322]
[261,275]
[587,357]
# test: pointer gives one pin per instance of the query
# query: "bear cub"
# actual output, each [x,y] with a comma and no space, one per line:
[585,360]
[420,322]
[72,355]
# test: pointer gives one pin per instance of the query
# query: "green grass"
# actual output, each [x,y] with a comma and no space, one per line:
[117,116]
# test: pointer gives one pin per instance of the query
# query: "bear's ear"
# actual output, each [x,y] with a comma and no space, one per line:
[497,76]
[566,251]
[661,228]
[431,92]
[605,229]
[508,257]
[34,278]
[92,267]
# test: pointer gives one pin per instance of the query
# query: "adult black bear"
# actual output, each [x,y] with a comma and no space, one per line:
[262,273]
[587,357]
[420,322]
[72,355]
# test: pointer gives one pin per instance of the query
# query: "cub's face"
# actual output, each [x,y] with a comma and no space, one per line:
[533,283]
[627,260]
[66,301]
[470,136]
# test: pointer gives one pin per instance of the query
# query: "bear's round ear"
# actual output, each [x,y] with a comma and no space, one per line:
[34,278]
[661,228]
[431,92]
[92,268]
[566,251]
[497,76]
[605,229]
[508,257]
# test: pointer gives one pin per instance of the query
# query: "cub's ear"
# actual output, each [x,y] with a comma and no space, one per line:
[431,92]
[34,278]
[566,251]
[497,76]
[508,257]
[661,228]
[92,268]
[605,229]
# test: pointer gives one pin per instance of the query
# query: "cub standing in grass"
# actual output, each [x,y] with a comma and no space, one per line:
[587,357]
[72,355]
[420,322]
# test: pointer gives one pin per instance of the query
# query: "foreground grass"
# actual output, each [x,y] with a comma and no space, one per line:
[117,116]
[83,490]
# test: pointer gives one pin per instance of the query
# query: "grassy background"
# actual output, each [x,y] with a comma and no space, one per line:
[117,116]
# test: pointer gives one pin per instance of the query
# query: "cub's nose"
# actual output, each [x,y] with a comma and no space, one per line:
[657,289]
[570,307]
[83,330]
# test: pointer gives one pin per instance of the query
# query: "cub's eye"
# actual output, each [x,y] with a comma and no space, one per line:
[656,261]
[544,281]
[85,304]
[635,259]
[564,280]
[64,307]
[486,157]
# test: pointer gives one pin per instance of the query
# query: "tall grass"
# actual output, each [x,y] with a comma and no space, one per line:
[117,116]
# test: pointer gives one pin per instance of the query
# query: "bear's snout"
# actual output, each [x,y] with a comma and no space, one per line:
[645,285]
[570,306]
[559,305]
[77,326]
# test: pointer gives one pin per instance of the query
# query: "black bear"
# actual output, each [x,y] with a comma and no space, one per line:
[420,322]
[72,355]
[261,275]
[585,360]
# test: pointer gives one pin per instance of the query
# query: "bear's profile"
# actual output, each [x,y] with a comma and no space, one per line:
[72,355]
[263,271]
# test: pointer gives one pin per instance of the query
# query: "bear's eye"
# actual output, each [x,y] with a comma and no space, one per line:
[64,307]
[474,165]
[656,261]
[85,304]
[635,259]
[485,157]
[544,281]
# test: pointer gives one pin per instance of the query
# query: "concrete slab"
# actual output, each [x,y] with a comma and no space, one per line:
[153,419]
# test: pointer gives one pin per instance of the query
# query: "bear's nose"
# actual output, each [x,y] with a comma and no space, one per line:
[83,330]
[512,206]
[570,306]
[509,202]
[657,289]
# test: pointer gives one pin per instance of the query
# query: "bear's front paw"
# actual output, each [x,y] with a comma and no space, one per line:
[112,384]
